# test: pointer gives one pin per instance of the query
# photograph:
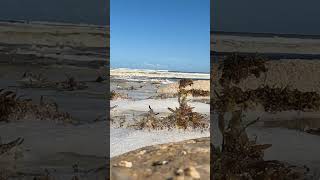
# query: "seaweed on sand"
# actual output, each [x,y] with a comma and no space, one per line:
[149,121]
[181,117]
[282,99]
[183,83]
[8,101]
[6,147]
[99,79]
[192,92]
[240,157]
[13,108]
[271,98]
[71,84]
[31,80]
[236,67]
[115,95]
[199,92]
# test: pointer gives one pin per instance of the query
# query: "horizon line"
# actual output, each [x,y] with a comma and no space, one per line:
[264,33]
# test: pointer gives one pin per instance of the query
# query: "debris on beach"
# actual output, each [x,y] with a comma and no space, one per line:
[182,117]
[8,101]
[198,92]
[100,79]
[71,84]
[116,95]
[238,157]
[271,98]
[191,92]
[6,147]
[38,98]
[236,67]
[150,121]
[198,88]
[13,108]
[242,158]
[31,80]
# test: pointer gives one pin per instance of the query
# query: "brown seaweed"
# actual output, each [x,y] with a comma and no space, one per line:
[181,117]
[240,157]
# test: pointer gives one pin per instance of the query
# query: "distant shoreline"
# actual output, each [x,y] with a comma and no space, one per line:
[260,34]
[51,23]
[276,46]
[125,73]
[158,70]
[271,56]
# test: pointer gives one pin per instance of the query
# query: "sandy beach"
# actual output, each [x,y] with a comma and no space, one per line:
[56,64]
[143,89]
[264,43]
[285,130]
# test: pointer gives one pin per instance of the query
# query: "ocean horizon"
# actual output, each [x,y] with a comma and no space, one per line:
[158,70]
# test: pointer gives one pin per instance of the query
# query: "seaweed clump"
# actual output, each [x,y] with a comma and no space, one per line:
[8,101]
[13,107]
[150,121]
[182,117]
[71,84]
[272,99]
[115,95]
[199,92]
[236,67]
[32,80]
[240,157]
[6,147]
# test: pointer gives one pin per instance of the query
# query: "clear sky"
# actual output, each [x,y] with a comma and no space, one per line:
[160,34]
[276,16]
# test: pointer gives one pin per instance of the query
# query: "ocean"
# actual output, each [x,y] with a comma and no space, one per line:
[70,11]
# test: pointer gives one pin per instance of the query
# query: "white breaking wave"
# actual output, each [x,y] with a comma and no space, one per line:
[146,79]
[126,73]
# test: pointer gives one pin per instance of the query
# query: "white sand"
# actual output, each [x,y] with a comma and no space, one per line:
[45,142]
[130,73]
[287,145]
[158,105]
[123,140]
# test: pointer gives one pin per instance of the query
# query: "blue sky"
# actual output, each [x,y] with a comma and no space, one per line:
[160,34]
